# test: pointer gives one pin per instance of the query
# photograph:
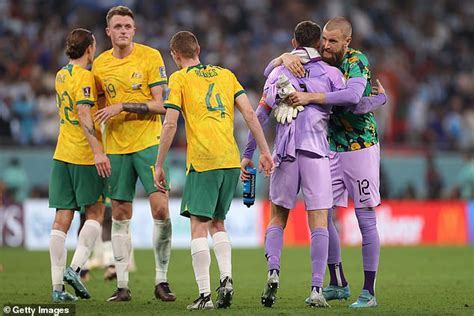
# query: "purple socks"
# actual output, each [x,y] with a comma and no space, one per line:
[336,272]
[370,246]
[319,255]
[273,246]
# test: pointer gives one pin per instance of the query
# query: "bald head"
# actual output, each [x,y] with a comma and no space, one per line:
[339,23]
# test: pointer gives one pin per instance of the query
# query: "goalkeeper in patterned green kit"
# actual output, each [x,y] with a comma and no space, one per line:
[355,152]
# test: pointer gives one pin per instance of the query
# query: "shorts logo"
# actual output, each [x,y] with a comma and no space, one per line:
[86,91]
[162,72]
[364,200]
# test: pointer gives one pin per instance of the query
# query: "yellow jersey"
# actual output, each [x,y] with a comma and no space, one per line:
[74,86]
[206,96]
[129,80]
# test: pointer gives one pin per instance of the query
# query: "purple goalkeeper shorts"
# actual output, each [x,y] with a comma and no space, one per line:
[356,174]
[310,172]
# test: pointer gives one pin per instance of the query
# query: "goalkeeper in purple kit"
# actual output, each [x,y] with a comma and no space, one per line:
[301,160]
[355,152]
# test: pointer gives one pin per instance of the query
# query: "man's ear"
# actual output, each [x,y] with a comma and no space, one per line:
[107,31]
[348,41]
[294,43]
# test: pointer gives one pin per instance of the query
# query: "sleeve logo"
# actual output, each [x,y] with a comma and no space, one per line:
[162,72]
[87,92]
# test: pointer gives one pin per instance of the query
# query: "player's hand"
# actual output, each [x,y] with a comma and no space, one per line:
[160,180]
[246,162]
[299,98]
[102,164]
[110,111]
[378,89]
[266,164]
[293,64]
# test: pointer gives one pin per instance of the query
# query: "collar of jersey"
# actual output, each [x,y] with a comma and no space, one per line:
[198,66]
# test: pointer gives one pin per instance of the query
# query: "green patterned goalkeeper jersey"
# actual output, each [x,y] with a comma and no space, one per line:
[348,131]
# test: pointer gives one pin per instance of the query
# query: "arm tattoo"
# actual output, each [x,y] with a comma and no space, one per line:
[139,108]
[90,130]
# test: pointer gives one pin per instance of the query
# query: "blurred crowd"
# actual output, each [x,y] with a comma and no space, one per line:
[421,51]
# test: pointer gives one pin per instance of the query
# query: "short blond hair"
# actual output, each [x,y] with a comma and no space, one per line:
[119,10]
[340,23]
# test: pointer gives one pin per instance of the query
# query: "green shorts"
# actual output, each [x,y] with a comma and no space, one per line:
[209,193]
[126,168]
[73,186]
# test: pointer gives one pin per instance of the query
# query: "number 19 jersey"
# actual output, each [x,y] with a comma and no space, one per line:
[206,96]
[74,86]
[130,80]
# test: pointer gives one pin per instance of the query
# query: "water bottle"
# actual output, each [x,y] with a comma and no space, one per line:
[249,187]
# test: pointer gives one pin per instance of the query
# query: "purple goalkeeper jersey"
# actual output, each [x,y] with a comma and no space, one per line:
[309,130]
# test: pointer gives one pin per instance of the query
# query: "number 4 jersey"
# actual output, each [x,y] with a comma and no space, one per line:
[206,95]
[74,86]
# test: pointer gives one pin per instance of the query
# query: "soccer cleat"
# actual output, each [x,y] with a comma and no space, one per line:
[316,299]
[334,292]
[164,293]
[224,293]
[63,296]
[110,273]
[269,292]
[364,300]
[121,295]
[202,302]
[74,280]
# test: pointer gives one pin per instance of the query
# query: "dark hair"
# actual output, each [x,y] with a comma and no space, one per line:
[77,42]
[119,10]
[185,43]
[307,33]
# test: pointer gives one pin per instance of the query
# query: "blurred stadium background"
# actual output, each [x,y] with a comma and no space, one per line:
[420,50]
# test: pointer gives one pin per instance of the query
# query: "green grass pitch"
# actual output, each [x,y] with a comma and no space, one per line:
[411,281]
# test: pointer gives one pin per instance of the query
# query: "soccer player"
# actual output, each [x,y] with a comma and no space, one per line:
[301,152]
[132,78]
[355,154]
[207,95]
[79,166]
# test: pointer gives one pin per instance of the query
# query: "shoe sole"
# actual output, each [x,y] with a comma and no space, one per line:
[226,299]
[79,288]
[121,300]
[319,305]
[269,299]
[336,298]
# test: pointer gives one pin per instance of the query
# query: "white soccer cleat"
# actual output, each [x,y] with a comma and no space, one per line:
[316,299]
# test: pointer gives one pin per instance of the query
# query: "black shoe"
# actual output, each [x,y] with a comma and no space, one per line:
[120,295]
[164,293]
[224,293]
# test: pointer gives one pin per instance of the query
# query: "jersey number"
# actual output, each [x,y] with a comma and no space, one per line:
[219,107]
[61,99]
[111,90]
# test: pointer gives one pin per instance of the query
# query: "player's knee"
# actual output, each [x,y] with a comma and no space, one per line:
[216,225]
[121,210]
[278,221]
[160,211]
[61,224]
[95,212]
